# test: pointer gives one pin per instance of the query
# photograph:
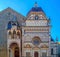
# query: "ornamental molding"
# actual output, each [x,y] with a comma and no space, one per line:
[44,46]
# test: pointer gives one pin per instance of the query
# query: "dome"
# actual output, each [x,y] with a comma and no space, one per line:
[36,9]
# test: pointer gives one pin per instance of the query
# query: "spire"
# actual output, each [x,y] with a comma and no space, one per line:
[35,5]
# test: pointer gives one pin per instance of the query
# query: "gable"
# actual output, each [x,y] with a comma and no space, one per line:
[5,17]
[8,13]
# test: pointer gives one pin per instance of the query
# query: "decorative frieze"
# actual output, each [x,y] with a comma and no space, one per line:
[36,30]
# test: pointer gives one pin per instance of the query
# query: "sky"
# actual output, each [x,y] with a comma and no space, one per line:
[50,7]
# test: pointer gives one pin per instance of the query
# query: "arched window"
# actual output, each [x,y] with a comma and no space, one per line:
[14,32]
[36,17]
[9,32]
[18,33]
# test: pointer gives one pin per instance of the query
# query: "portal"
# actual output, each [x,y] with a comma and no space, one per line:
[14,50]
[36,54]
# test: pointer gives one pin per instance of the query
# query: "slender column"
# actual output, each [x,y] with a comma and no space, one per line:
[11,53]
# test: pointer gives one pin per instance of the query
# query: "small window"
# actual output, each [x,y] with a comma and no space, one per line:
[52,51]
[9,32]
[36,17]
[27,54]
[44,54]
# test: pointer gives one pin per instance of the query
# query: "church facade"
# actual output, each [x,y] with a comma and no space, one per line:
[26,36]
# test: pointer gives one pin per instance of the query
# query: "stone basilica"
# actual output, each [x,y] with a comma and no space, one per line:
[28,36]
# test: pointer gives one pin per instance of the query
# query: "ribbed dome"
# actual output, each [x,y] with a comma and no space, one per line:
[36,9]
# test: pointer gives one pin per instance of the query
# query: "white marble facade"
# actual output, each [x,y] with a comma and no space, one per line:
[28,36]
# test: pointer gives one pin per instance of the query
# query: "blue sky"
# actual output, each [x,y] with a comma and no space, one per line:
[50,7]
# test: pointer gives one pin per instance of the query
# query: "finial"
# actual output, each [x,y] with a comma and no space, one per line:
[36,4]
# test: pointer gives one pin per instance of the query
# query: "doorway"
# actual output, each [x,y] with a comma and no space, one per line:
[14,52]
[36,54]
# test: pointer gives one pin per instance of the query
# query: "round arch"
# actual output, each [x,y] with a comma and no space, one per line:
[36,37]
[27,46]
[14,50]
